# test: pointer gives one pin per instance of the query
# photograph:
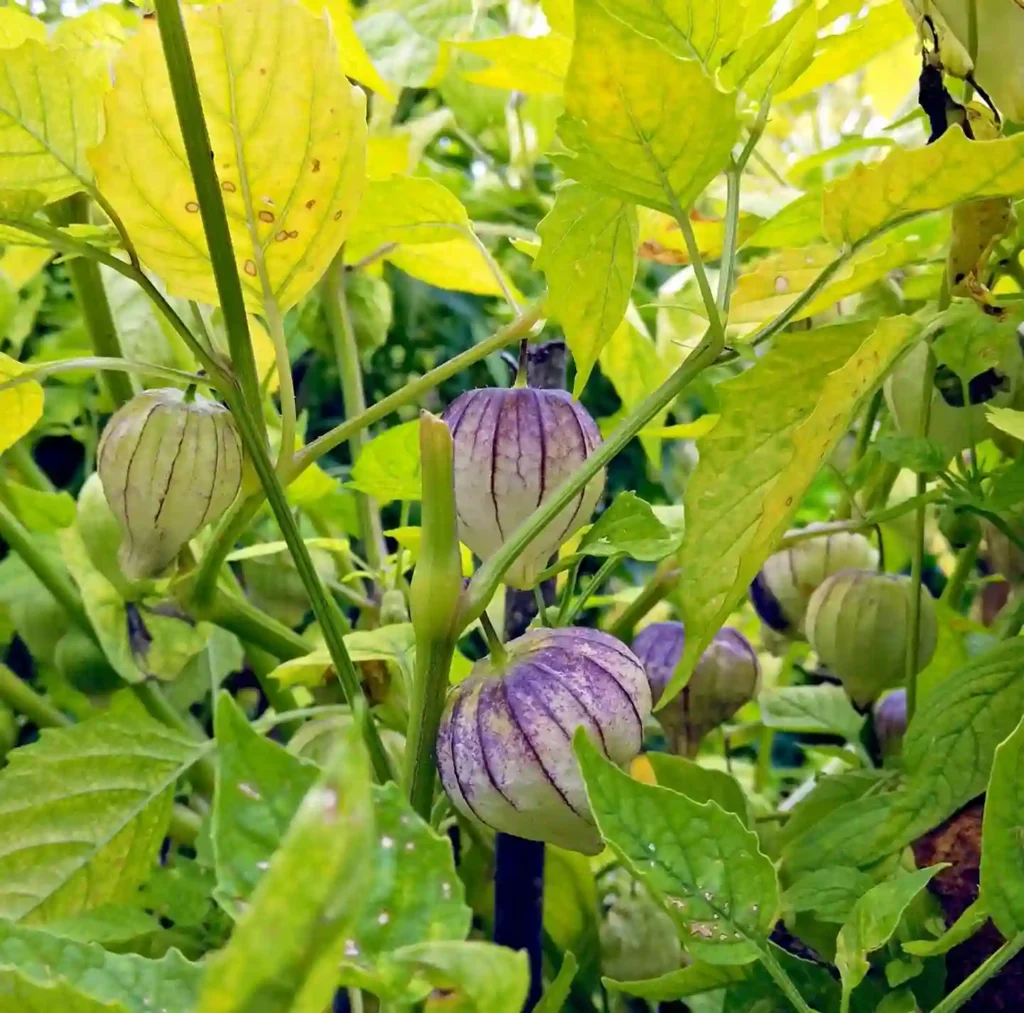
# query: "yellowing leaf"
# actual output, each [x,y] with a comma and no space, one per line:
[21,407]
[912,181]
[388,155]
[631,362]
[772,58]
[684,430]
[560,16]
[17,27]
[355,61]
[706,32]
[20,264]
[288,134]
[95,36]
[891,77]
[842,53]
[797,224]
[640,124]
[779,420]
[1008,420]
[410,538]
[457,265]
[662,240]
[534,66]
[588,255]
[264,353]
[50,115]
[406,45]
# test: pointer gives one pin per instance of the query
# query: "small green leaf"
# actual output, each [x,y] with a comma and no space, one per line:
[920,454]
[259,788]
[700,783]
[873,920]
[960,931]
[388,467]
[555,995]
[284,952]
[1008,420]
[828,893]
[901,1001]
[701,862]
[640,124]
[41,511]
[821,709]
[780,419]
[85,810]
[588,256]
[41,973]
[691,980]
[629,526]
[1002,844]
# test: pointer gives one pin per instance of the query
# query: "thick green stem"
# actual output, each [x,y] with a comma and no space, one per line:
[989,969]
[346,354]
[93,302]
[199,151]
[31,474]
[486,580]
[783,980]
[656,590]
[23,699]
[234,525]
[185,826]
[430,686]
[593,586]
[964,566]
[253,626]
[727,268]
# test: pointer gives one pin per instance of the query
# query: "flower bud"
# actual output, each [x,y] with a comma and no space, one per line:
[513,447]
[638,938]
[170,464]
[727,676]
[504,749]
[781,591]
[890,720]
[858,622]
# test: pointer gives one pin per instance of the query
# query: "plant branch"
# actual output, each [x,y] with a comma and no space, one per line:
[656,590]
[783,980]
[981,974]
[23,699]
[45,369]
[334,299]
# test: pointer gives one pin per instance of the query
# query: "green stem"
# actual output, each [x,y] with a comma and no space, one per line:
[430,685]
[198,149]
[324,607]
[279,698]
[486,580]
[22,699]
[989,969]
[93,303]
[917,554]
[964,566]
[727,264]
[495,647]
[105,363]
[1014,621]
[598,579]
[346,353]
[31,474]
[764,749]
[783,980]
[656,590]
[185,825]
[49,574]
[715,326]
[234,525]
[248,623]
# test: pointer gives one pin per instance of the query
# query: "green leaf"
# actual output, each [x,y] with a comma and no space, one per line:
[759,991]
[85,810]
[873,920]
[920,454]
[827,795]
[691,980]
[1008,420]
[41,511]
[388,467]
[797,224]
[588,255]
[284,952]
[829,893]
[629,526]
[289,149]
[50,116]
[699,860]
[805,390]
[969,342]
[533,66]
[947,751]
[700,784]
[260,786]
[913,181]
[960,931]
[1002,845]
[40,973]
[770,60]
[821,709]
[116,927]
[555,995]
[640,124]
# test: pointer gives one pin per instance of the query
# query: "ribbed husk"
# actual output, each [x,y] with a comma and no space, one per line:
[858,623]
[169,467]
[727,676]
[513,447]
[504,749]
[781,590]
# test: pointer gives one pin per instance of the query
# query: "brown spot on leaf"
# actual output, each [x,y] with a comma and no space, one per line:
[282,235]
[263,71]
[266,216]
[337,215]
[316,164]
[250,268]
[228,187]
[309,204]
[294,234]
[192,207]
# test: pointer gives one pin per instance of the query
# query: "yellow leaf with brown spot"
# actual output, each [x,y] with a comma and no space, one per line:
[662,241]
[21,407]
[288,134]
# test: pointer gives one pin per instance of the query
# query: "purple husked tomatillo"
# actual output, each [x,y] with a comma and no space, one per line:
[504,749]
[727,676]
[513,447]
